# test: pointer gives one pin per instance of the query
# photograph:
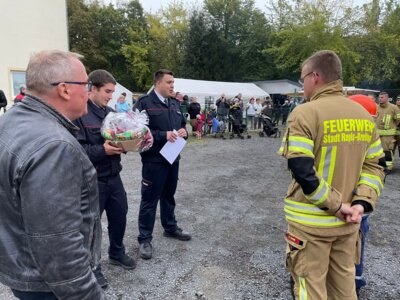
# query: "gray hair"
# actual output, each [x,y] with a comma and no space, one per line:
[49,66]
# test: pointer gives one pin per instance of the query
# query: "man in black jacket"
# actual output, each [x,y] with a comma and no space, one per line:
[194,110]
[106,159]
[160,178]
[50,232]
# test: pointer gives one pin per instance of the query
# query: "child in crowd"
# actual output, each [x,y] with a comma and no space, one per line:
[199,126]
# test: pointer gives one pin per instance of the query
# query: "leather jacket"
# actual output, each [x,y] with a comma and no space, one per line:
[50,230]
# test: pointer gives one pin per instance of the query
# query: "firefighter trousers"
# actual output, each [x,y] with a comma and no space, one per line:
[388,146]
[322,267]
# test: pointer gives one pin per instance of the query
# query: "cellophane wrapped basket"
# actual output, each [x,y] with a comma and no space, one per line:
[128,131]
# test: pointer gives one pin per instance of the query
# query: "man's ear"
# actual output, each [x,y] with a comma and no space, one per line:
[63,91]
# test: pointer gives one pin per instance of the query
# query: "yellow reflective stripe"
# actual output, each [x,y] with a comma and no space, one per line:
[280,151]
[312,220]
[385,132]
[302,289]
[301,139]
[397,116]
[327,162]
[375,150]
[321,194]
[306,208]
[387,121]
[331,163]
[371,180]
[301,144]
[322,162]
[282,147]
[301,150]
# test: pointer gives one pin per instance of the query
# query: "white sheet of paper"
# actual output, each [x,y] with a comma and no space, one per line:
[171,150]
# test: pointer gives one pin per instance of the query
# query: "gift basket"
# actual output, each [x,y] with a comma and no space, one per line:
[128,130]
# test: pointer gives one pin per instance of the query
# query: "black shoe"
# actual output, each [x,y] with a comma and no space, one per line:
[178,234]
[146,250]
[126,262]
[101,280]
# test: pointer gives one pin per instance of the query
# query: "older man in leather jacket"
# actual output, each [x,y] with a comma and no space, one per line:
[50,232]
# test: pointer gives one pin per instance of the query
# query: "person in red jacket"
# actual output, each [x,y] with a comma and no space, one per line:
[21,94]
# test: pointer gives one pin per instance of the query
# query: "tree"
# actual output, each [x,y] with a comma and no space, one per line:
[311,27]
[378,43]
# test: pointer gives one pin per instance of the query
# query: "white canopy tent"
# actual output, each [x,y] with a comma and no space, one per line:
[203,89]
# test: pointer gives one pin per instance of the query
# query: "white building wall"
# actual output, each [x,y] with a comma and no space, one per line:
[28,26]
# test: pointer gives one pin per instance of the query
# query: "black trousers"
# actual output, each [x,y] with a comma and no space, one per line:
[159,181]
[113,200]
[34,295]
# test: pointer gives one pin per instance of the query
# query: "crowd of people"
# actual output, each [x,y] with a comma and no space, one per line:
[57,185]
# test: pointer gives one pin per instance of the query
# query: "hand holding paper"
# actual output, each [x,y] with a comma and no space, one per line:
[171,150]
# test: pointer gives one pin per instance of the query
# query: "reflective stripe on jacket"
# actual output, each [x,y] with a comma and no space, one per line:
[388,117]
[341,138]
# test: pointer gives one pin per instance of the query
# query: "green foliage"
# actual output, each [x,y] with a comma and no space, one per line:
[232,40]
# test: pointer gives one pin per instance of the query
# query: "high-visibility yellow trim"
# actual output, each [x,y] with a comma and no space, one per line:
[321,162]
[301,150]
[375,150]
[371,180]
[320,194]
[312,220]
[326,166]
[303,295]
[387,121]
[332,163]
[280,151]
[282,147]
[301,144]
[301,139]
[386,132]
[305,208]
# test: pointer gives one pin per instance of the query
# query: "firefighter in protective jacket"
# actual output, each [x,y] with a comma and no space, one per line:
[387,119]
[333,152]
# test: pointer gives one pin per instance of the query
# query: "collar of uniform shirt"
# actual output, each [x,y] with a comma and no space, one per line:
[162,99]
[103,108]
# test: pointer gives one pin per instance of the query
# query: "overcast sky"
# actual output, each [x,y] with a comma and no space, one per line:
[154,5]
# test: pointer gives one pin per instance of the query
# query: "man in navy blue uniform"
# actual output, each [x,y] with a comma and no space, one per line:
[107,161]
[159,177]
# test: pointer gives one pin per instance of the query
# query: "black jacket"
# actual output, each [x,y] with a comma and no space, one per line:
[50,230]
[222,107]
[3,99]
[162,118]
[89,136]
[194,110]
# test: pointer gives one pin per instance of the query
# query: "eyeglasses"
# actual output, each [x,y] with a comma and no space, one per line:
[88,84]
[301,80]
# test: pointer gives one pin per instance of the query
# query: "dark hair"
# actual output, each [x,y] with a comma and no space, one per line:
[158,75]
[123,94]
[101,77]
[326,63]
[384,93]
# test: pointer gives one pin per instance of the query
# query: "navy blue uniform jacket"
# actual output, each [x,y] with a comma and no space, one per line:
[89,136]
[162,118]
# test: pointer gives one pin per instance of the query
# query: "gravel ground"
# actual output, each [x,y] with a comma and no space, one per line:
[230,198]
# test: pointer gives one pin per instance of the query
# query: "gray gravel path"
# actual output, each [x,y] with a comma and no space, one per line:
[230,198]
